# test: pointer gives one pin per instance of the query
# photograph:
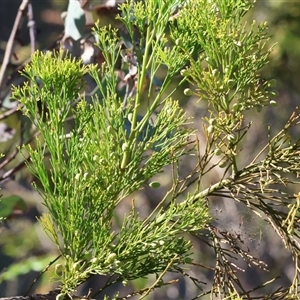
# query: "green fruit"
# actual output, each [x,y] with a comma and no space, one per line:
[222,163]
[154,184]
[188,92]
[217,151]
[124,146]
[272,82]
[177,42]
[184,72]
[130,117]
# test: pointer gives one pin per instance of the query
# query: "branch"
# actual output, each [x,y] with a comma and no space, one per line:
[31,26]
[49,296]
[10,43]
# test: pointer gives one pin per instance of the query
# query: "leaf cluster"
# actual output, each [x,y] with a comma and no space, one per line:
[90,156]
[87,168]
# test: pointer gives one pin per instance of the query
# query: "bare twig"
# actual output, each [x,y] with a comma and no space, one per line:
[49,296]
[41,273]
[16,151]
[8,113]
[152,287]
[7,175]
[31,26]
[10,43]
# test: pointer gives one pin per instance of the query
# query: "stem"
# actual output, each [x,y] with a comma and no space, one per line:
[213,188]
[141,79]
[157,99]
[151,288]
[10,43]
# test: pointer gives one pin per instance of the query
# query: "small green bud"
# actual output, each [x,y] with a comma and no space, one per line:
[129,117]
[154,184]
[210,128]
[188,92]
[214,72]
[217,151]
[212,121]
[94,260]
[231,137]
[124,146]
[125,282]
[188,260]
[223,163]
[274,93]
[148,145]
[77,265]
[273,103]
[60,297]
[177,42]
[111,257]
[184,72]
[235,107]
[110,129]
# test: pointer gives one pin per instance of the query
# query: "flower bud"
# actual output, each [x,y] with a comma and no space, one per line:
[188,92]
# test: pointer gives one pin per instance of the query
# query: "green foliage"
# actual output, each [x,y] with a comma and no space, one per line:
[96,163]
[226,71]
[112,148]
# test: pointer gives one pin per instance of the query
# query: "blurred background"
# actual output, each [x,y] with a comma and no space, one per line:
[25,250]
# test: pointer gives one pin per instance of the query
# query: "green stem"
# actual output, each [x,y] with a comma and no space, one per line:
[141,79]
[156,101]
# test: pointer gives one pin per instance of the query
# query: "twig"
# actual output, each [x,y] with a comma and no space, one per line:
[49,296]
[16,151]
[10,43]
[45,269]
[151,288]
[31,26]
[10,172]
[8,113]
